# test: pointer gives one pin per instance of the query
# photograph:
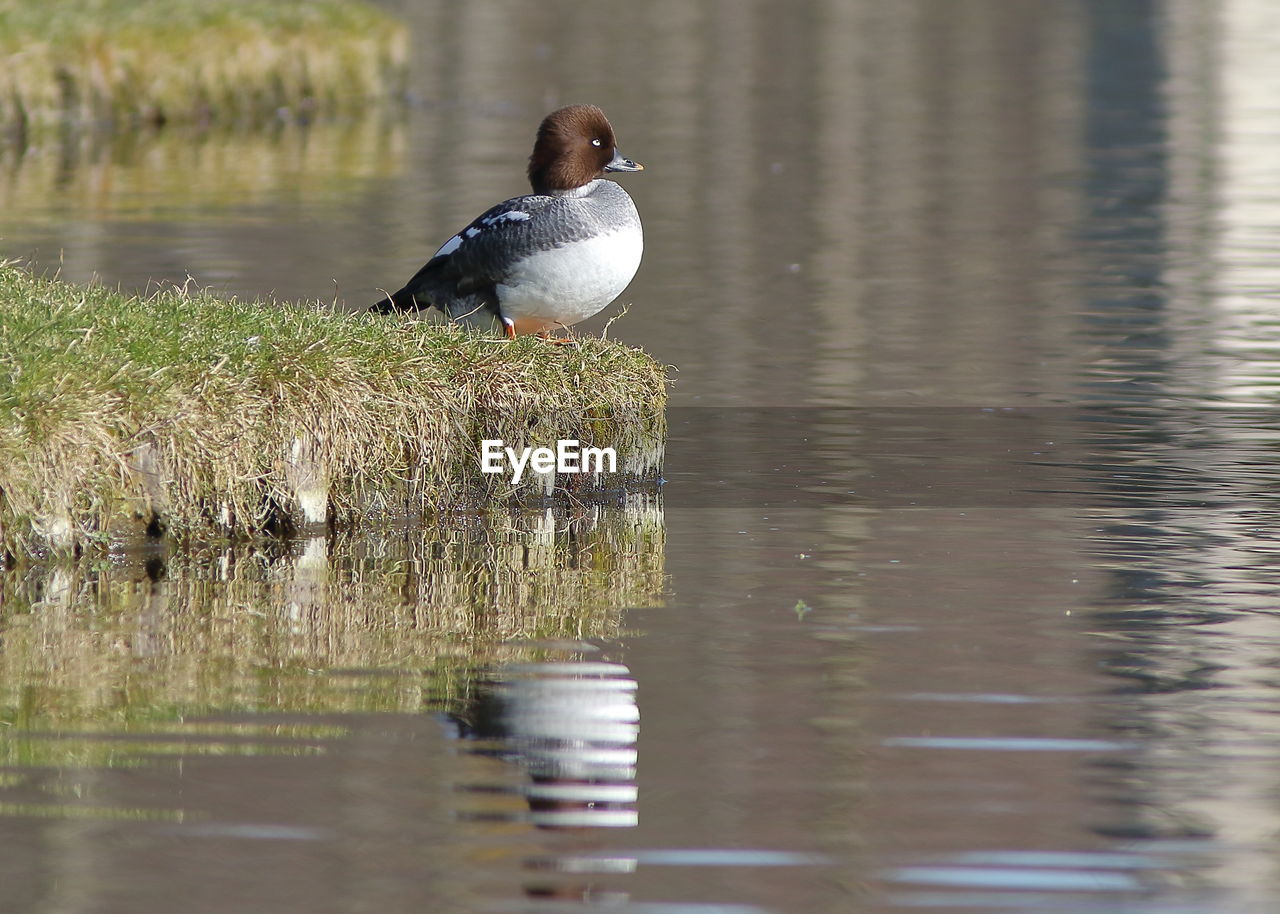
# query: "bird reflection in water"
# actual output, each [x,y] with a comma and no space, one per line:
[573,727]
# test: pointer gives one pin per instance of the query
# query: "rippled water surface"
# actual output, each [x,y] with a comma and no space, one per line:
[961,594]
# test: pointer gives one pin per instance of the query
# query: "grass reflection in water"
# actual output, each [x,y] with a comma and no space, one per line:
[138,658]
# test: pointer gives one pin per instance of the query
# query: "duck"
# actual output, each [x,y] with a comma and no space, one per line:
[541,262]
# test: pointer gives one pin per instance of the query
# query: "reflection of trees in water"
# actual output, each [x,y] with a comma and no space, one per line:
[1189,633]
[377,623]
[1182,479]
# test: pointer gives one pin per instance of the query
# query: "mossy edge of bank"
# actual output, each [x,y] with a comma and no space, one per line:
[191,414]
[104,62]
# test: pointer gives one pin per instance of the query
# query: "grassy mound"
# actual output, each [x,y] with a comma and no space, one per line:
[96,61]
[187,412]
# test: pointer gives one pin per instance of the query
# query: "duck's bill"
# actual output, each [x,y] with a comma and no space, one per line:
[622,163]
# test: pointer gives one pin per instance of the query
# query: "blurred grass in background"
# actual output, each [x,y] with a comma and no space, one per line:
[108,62]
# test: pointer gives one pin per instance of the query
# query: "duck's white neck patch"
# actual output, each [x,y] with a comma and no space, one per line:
[578,191]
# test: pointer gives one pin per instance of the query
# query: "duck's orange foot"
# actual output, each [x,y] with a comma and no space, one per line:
[555,340]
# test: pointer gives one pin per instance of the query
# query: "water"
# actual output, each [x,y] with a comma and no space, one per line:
[961,594]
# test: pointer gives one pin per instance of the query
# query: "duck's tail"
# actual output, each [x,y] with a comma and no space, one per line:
[400,301]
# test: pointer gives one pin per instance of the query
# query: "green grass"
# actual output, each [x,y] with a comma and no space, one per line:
[197,414]
[111,61]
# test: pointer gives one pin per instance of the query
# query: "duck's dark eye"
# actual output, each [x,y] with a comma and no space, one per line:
[595,141]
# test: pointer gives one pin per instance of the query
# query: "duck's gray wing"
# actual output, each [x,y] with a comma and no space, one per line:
[461,278]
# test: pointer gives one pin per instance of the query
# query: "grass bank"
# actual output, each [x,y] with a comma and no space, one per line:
[112,61]
[191,414]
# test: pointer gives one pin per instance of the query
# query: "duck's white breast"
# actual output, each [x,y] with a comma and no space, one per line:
[567,284]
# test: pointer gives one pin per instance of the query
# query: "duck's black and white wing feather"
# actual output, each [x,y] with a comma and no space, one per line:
[461,278]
